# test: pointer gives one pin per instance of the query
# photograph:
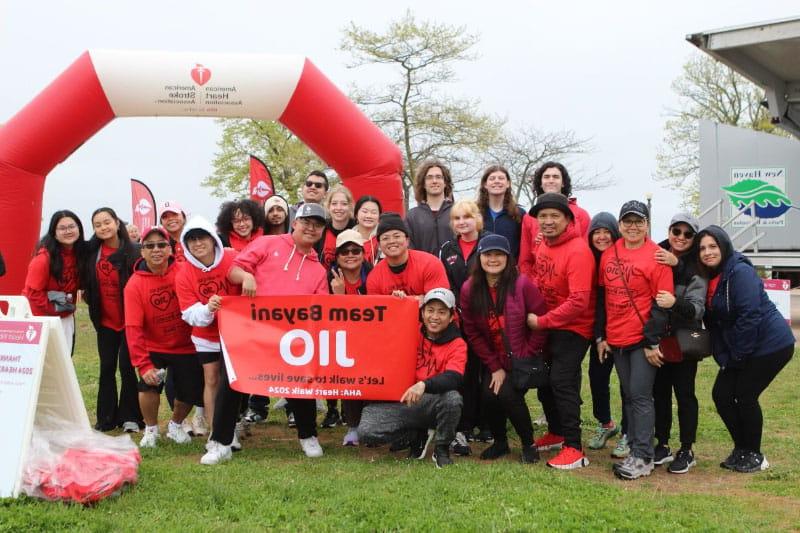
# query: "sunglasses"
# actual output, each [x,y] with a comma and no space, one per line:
[152,245]
[315,184]
[677,232]
[353,250]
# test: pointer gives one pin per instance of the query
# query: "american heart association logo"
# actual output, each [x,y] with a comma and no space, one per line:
[143,207]
[161,299]
[262,190]
[209,288]
[200,74]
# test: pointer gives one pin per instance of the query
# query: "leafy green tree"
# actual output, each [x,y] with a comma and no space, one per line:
[709,90]
[287,157]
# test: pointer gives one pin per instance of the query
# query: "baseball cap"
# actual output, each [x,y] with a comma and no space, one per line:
[170,206]
[686,218]
[494,242]
[308,210]
[349,235]
[445,296]
[157,229]
[552,200]
[634,207]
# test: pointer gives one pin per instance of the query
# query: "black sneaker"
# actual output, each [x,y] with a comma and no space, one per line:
[441,456]
[418,446]
[662,455]
[530,454]
[332,419]
[496,450]
[684,460]
[460,445]
[732,459]
[751,462]
[484,435]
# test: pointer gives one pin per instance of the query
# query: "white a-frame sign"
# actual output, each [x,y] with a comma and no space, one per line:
[37,380]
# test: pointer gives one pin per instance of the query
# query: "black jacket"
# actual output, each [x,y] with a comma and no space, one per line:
[365,270]
[429,231]
[122,260]
[690,293]
[456,265]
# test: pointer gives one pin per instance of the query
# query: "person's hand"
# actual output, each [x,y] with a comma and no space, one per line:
[249,285]
[414,393]
[665,257]
[603,350]
[151,377]
[498,377]
[214,303]
[399,294]
[337,282]
[533,321]
[538,239]
[653,356]
[665,299]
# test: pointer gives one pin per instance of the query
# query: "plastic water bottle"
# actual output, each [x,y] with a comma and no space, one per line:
[162,375]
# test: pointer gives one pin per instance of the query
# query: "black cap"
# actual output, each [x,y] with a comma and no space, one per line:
[391,221]
[494,242]
[634,207]
[552,200]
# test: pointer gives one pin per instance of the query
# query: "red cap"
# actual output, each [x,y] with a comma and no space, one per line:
[157,229]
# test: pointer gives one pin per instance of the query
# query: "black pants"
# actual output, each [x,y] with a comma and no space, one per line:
[472,413]
[736,392]
[112,410]
[260,404]
[599,379]
[305,415]
[351,412]
[508,404]
[561,399]
[226,409]
[681,378]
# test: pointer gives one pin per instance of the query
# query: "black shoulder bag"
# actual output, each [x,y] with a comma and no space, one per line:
[526,372]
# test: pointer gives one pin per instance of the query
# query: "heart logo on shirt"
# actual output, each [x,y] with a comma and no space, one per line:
[209,288]
[105,267]
[161,299]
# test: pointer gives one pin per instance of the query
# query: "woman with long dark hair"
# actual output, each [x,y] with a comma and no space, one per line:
[750,341]
[105,274]
[240,222]
[495,302]
[52,281]
[501,214]
[368,211]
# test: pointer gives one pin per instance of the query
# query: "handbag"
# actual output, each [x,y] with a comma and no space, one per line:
[686,344]
[526,372]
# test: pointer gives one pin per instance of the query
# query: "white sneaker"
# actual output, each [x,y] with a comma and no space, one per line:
[199,425]
[149,439]
[187,426]
[235,444]
[176,433]
[130,427]
[217,453]
[351,438]
[311,447]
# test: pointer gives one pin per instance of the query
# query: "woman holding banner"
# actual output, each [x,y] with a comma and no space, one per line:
[495,302]
[105,274]
[51,284]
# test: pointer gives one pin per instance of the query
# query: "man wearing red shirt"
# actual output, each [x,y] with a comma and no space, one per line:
[433,401]
[564,273]
[159,338]
[403,272]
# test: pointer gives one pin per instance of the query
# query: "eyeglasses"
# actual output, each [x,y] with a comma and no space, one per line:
[311,222]
[63,229]
[677,232]
[315,184]
[353,250]
[152,245]
[639,222]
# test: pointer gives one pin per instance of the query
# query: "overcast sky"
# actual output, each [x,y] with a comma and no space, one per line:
[602,69]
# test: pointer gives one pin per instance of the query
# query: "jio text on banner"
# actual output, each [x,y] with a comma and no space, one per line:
[349,347]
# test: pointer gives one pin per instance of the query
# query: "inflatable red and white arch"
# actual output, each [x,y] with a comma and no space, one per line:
[102,85]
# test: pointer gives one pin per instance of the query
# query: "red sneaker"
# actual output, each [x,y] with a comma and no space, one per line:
[549,441]
[568,459]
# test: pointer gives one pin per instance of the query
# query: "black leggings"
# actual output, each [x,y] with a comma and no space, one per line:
[112,410]
[736,393]
[681,378]
[508,404]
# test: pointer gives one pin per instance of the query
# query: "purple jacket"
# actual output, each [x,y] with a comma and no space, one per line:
[524,342]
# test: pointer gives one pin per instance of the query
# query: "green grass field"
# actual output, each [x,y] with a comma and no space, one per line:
[270,485]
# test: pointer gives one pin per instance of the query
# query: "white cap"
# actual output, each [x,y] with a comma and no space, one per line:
[445,296]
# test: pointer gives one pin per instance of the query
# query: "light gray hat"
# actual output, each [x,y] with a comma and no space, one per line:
[686,218]
[445,296]
[308,210]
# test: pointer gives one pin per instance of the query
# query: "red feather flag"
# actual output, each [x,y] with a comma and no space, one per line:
[143,205]
[261,186]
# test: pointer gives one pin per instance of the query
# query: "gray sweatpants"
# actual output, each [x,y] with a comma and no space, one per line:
[387,421]
[637,376]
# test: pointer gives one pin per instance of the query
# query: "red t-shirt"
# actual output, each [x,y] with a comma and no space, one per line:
[467,247]
[713,283]
[644,278]
[497,324]
[111,312]
[434,359]
[422,273]
[352,288]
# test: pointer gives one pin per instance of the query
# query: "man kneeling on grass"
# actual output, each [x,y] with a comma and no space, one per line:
[433,401]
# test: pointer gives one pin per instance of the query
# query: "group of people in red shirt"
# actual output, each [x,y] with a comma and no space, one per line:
[496,286]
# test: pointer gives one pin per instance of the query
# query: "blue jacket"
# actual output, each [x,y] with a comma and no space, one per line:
[506,226]
[742,320]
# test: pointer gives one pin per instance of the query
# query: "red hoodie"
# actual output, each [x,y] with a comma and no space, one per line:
[530,238]
[153,320]
[434,358]
[239,243]
[38,281]
[564,271]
